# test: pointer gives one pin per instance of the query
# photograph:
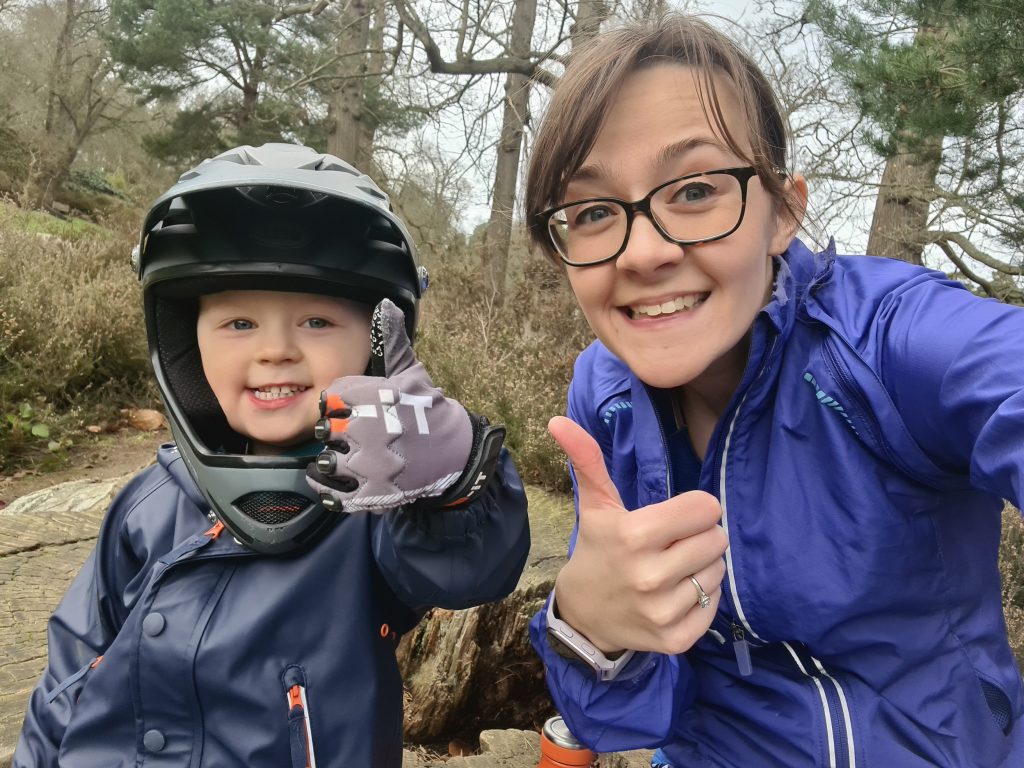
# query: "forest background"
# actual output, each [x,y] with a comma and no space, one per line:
[908,121]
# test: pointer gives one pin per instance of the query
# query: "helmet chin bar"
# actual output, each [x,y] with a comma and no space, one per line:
[263,501]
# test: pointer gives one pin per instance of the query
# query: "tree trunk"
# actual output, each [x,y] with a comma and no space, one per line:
[376,59]
[347,105]
[474,669]
[498,235]
[589,15]
[54,166]
[899,227]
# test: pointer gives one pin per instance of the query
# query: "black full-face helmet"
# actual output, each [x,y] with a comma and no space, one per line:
[278,217]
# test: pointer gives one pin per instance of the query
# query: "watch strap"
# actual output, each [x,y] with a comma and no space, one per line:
[569,643]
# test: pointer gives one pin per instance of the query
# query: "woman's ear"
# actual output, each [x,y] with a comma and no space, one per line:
[791,215]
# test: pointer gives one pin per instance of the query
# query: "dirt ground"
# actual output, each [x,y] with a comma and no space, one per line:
[93,456]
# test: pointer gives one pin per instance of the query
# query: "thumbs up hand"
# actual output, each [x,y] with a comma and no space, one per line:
[628,582]
[393,439]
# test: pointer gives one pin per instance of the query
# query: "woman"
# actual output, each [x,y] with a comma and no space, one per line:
[814,448]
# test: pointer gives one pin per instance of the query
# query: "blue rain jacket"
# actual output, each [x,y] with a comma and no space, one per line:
[861,467]
[173,647]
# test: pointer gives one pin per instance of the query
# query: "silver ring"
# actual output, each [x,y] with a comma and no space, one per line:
[703,599]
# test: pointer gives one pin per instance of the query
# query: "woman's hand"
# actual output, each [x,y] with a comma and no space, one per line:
[627,583]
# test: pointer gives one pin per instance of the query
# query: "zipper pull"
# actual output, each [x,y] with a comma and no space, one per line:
[741,648]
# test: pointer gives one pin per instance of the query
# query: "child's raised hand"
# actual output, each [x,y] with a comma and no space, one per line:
[393,439]
[628,581]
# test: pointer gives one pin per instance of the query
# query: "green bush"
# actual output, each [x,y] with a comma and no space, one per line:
[71,335]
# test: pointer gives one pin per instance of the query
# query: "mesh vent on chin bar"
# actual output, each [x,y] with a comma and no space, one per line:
[272,507]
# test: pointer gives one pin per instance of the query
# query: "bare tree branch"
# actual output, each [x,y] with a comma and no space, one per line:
[530,67]
[975,252]
[313,9]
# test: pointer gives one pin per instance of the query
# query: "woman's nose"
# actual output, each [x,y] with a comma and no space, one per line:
[647,250]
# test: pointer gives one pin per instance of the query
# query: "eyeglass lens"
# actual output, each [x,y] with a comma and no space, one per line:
[691,209]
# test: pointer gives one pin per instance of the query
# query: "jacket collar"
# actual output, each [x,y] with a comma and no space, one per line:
[170,459]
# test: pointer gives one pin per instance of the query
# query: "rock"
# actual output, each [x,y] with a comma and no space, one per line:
[640,758]
[146,419]
[513,748]
[62,514]
[44,539]
[473,669]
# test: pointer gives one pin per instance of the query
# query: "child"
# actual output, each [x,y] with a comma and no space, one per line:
[842,429]
[265,635]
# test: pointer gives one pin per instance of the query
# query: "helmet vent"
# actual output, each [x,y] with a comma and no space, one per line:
[272,507]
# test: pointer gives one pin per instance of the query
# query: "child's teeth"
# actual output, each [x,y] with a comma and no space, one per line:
[275,393]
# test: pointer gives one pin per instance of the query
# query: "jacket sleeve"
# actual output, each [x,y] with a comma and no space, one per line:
[457,558]
[639,707]
[79,630]
[954,366]
[635,710]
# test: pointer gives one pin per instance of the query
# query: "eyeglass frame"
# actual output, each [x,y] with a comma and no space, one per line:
[743,174]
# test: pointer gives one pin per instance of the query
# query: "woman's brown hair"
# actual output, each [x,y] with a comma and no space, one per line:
[590,85]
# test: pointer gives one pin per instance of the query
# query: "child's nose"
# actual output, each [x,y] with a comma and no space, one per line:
[279,346]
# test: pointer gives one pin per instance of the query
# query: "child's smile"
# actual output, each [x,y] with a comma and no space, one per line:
[276,396]
[268,354]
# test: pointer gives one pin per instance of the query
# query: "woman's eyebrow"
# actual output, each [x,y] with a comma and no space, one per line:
[667,154]
[677,149]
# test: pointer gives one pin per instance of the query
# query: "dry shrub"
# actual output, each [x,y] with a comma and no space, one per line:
[1011,566]
[73,321]
[511,363]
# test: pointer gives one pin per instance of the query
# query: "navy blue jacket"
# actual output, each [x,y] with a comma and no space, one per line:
[175,647]
[861,467]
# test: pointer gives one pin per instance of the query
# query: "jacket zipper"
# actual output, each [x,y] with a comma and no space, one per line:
[838,723]
[299,730]
[837,714]
[740,626]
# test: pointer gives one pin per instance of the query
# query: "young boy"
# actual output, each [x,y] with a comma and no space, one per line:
[265,635]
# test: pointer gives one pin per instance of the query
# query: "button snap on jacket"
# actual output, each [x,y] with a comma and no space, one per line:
[153,624]
[153,740]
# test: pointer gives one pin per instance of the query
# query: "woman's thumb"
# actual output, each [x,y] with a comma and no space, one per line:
[593,485]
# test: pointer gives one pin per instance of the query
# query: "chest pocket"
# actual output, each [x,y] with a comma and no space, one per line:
[73,685]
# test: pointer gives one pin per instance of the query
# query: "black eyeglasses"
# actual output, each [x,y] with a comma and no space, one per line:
[696,208]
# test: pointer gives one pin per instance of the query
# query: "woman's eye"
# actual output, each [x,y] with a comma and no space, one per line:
[593,214]
[693,193]
[241,325]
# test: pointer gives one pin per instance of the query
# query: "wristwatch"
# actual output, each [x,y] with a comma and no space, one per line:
[569,643]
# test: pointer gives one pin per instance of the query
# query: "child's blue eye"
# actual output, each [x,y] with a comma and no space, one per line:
[318,322]
[241,325]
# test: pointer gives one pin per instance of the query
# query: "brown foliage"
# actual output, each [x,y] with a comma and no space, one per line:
[511,364]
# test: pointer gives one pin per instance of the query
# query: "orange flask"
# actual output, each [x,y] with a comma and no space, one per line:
[559,748]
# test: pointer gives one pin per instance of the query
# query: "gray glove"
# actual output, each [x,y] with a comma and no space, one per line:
[393,439]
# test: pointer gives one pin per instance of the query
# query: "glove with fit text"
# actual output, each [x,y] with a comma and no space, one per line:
[392,439]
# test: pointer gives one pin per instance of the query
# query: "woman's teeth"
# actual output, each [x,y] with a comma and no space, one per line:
[680,304]
[276,393]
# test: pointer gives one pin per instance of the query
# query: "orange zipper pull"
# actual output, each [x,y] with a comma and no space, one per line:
[214,532]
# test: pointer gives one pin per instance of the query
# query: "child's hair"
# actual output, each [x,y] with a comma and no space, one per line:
[590,86]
